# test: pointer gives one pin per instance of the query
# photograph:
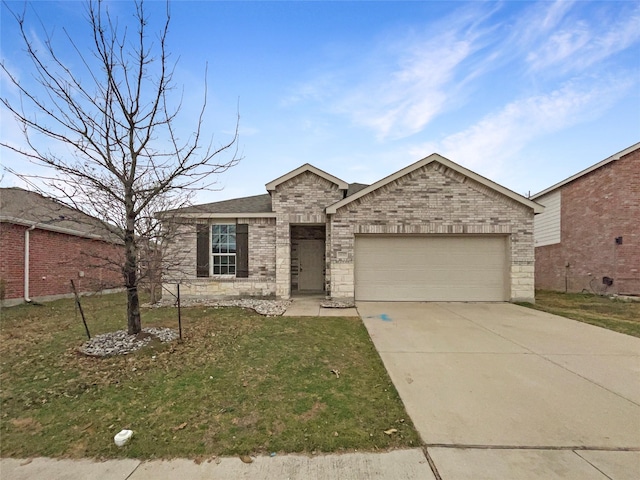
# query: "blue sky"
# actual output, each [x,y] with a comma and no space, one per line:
[524,93]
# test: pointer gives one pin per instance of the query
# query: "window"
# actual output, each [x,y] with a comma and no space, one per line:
[223,249]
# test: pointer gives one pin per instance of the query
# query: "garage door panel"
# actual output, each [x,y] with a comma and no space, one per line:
[424,268]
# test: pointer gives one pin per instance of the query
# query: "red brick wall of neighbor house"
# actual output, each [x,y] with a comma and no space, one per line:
[55,259]
[595,209]
[12,259]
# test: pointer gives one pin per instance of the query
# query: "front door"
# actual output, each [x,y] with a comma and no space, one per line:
[311,265]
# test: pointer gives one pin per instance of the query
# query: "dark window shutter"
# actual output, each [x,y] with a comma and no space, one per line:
[202,250]
[242,250]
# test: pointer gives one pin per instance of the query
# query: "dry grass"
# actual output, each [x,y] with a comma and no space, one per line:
[239,383]
[614,314]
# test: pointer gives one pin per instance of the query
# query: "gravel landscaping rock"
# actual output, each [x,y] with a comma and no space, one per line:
[337,304]
[121,343]
[261,306]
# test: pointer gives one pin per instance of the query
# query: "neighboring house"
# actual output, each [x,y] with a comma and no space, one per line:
[588,238]
[44,245]
[431,231]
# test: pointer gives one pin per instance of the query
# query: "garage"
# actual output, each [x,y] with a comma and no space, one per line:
[431,268]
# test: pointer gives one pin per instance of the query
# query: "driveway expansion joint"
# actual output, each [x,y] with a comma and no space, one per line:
[431,463]
[532,447]
[133,471]
[594,466]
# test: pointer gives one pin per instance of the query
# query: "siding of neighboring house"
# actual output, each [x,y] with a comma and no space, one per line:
[54,259]
[595,209]
[547,224]
[434,200]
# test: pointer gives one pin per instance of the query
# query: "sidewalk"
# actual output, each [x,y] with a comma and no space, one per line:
[398,464]
[309,306]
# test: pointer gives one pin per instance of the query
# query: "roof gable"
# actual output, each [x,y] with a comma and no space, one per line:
[342,185]
[537,208]
[602,163]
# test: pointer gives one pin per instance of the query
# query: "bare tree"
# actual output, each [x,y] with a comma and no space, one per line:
[118,111]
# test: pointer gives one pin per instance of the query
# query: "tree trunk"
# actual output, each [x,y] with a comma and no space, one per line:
[134,325]
[133,311]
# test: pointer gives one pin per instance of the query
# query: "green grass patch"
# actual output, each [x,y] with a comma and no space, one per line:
[612,313]
[239,383]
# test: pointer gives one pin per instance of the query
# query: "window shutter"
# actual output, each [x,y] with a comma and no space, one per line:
[202,250]
[242,250]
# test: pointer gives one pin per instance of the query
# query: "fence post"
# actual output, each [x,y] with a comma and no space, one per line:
[179,314]
[73,287]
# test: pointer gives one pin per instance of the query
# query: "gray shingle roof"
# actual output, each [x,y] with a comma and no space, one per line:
[244,205]
[253,204]
[355,188]
[30,208]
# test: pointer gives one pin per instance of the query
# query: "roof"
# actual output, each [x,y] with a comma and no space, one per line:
[256,205]
[602,163]
[24,207]
[355,188]
[537,208]
[306,168]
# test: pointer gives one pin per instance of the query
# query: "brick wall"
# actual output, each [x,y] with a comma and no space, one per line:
[433,200]
[12,259]
[595,209]
[180,262]
[300,200]
[303,198]
[55,259]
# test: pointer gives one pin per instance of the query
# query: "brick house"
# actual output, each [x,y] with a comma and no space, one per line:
[44,244]
[588,238]
[431,231]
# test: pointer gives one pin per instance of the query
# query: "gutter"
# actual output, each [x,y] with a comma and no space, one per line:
[54,228]
[26,263]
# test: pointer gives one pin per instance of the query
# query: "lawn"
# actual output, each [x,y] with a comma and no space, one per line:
[239,383]
[614,314]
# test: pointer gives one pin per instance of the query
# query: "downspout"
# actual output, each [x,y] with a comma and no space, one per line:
[26,263]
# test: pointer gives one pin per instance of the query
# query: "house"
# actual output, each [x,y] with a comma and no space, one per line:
[431,231]
[588,238]
[44,245]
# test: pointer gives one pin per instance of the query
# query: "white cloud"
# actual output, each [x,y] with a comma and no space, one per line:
[404,101]
[487,145]
[576,43]
[560,46]
[404,81]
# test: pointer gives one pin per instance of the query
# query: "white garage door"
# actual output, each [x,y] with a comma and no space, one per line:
[431,268]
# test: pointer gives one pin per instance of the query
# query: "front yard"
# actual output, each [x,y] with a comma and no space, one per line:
[614,314]
[239,383]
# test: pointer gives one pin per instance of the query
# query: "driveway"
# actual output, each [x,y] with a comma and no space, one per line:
[511,391]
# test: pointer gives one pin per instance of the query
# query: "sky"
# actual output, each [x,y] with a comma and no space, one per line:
[523,93]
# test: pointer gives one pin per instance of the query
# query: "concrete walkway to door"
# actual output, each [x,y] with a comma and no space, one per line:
[310,306]
[502,391]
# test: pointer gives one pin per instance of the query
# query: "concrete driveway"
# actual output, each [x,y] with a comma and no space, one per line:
[502,391]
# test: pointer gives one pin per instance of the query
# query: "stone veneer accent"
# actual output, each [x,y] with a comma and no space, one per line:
[181,262]
[432,200]
[299,200]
